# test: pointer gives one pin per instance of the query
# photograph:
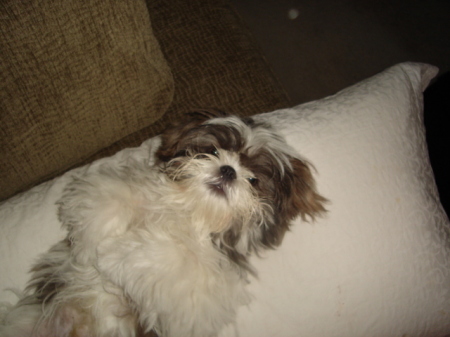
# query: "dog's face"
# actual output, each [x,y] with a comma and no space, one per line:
[240,178]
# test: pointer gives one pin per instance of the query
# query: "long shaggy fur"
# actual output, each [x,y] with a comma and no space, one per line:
[165,248]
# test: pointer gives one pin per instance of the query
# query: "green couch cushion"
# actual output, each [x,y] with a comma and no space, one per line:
[75,76]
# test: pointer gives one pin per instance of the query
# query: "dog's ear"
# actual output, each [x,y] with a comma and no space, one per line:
[187,122]
[297,196]
[304,200]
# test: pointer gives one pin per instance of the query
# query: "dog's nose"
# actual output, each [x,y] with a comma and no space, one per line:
[227,172]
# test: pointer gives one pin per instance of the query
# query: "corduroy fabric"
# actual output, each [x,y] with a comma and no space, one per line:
[75,76]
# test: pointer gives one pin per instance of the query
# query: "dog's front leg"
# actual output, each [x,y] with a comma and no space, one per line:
[180,287]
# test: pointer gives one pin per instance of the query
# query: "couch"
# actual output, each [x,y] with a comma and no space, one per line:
[82,80]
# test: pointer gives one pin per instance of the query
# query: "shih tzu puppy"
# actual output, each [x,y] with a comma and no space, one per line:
[164,248]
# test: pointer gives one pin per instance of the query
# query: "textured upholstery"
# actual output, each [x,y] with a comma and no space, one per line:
[76,76]
[82,80]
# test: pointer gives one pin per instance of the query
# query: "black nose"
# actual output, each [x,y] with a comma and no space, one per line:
[227,172]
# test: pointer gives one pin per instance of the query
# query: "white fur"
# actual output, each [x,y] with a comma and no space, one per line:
[141,245]
[151,237]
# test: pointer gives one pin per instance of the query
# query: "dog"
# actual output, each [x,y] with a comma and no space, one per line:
[164,248]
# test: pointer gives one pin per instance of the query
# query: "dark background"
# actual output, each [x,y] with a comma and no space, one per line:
[327,45]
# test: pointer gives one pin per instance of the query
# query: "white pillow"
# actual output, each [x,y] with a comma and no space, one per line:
[377,265]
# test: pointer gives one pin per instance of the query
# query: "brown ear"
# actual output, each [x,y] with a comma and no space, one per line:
[187,122]
[304,200]
[297,196]
[170,138]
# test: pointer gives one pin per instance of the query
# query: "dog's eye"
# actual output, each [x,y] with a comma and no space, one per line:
[203,153]
[252,181]
[181,153]
[214,152]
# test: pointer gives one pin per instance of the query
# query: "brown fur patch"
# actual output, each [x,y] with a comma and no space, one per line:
[304,200]
[141,333]
[196,137]
[45,281]
[296,196]
[291,194]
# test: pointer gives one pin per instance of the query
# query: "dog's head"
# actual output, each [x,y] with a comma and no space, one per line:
[239,178]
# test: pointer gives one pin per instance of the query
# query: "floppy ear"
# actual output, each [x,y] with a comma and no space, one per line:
[297,196]
[304,200]
[188,122]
